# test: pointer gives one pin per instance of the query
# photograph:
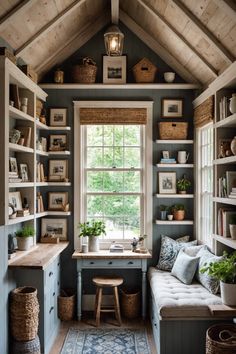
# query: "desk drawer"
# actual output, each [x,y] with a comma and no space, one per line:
[111,263]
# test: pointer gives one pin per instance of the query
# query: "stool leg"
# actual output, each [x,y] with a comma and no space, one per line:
[117,305]
[98,308]
[96,302]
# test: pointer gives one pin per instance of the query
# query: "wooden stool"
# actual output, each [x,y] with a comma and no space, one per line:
[107,282]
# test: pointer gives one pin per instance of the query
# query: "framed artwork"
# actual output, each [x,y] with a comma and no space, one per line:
[114,69]
[13,165]
[165,154]
[172,108]
[58,117]
[15,199]
[57,142]
[54,227]
[167,182]
[224,149]
[57,200]
[230,181]
[24,174]
[58,170]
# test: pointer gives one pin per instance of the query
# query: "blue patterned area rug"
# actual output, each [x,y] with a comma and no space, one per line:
[106,341]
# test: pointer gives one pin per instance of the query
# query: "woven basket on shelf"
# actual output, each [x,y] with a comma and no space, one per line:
[173,130]
[214,345]
[85,73]
[66,305]
[24,310]
[144,71]
[130,303]
[29,347]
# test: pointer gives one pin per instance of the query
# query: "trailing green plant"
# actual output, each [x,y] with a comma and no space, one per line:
[26,231]
[176,207]
[92,228]
[232,220]
[183,184]
[164,207]
[224,270]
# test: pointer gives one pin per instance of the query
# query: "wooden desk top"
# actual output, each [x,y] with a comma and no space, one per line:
[222,310]
[39,256]
[106,254]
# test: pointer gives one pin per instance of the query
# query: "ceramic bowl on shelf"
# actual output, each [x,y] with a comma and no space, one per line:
[169,76]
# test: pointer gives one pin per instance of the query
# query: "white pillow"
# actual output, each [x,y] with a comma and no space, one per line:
[185,267]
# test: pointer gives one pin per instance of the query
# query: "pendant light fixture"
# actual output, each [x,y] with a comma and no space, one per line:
[114,40]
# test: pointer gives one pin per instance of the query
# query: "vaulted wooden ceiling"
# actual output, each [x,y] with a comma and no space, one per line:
[197,38]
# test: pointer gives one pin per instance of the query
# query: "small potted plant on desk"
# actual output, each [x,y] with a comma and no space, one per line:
[225,272]
[92,229]
[232,227]
[183,185]
[23,237]
[178,212]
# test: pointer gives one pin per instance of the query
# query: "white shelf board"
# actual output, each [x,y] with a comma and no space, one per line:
[40,125]
[160,141]
[21,185]
[174,222]
[45,184]
[225,160]
[53,153]
[41,153]
[229,122]
[225,240]
[52,213]
[17,114]
[20,148]
[19,219]
[173,165]
[175,196]
[59,128]
[230,201]
[131,86]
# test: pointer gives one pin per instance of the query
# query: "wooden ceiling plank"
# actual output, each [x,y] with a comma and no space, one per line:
[205,32]
[15,11]
[115,11]
[76,42]
[179,35]
[49,26]
[157,48]
[228,6]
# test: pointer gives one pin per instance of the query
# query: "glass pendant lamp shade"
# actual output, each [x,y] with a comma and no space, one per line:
[114,40]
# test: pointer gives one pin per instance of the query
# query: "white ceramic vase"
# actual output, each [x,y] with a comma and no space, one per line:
[233,145]
[93,243]
[24,243]
[232,230]
[232,104]
[228,293]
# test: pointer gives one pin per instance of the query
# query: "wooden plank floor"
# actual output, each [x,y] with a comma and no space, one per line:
[107,321]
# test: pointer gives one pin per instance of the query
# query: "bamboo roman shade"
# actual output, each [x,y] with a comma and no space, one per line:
[113,115]
[204,113]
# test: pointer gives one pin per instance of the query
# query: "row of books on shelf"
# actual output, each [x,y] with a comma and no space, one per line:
[225,216]
[224,111]
[40,176]
[39,203]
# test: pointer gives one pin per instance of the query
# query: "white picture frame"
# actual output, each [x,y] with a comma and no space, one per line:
[58,117]
[114,69]
[14,198]
[167,182]
[58,170]
[13,168]
[56,227]
[24,172]
[172,107]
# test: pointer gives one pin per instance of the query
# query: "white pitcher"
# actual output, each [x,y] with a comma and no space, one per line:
[183,156]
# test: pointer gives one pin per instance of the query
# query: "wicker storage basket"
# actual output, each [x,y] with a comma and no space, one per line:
[66,305]
[85,73]
[173,130]
[144,71]
[24,310]
[214,345]
[29,347]
[130,303]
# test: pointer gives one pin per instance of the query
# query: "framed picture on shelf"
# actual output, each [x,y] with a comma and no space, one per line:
[15,200]
[165,154]
[58,117]
[57,200]
[58,170]
[230,181]
[114,69]
[224,149]
[13,165]
[172,108]
[167,182]
[24,174]
[58,142]
[54,227]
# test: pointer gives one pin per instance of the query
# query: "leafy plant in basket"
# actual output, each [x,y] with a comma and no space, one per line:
[92,229]
[183,185]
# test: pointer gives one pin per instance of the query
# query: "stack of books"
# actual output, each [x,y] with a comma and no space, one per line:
[40,172]
[23,212]
[170,160]
[232,194]
[224,108]
[224,217]
[14,177]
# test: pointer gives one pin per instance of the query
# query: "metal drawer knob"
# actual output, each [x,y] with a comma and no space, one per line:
[50,274]
[110,262]
[54,294]
[91,262]
[130,262]
[51,309]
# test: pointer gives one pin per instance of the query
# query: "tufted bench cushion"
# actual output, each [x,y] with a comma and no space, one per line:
[174,299]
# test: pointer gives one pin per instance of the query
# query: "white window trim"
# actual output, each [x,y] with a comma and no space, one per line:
[148,144]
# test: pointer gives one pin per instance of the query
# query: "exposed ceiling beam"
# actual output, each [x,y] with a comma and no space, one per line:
[228,6]
[49,26]
[15,11]
[179,35]
[157,48]
[115,11]
[76,42]
[205,32]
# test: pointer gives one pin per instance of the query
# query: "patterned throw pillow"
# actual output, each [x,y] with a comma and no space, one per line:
[185,267]
[170,249]
[208,281]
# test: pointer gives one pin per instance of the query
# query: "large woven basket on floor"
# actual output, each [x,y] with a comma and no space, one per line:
[24,310]
[85,73]
[214,345]
[28,347]
[130,303]
[66,305]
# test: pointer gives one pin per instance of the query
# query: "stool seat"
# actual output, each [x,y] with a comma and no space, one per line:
[107,282]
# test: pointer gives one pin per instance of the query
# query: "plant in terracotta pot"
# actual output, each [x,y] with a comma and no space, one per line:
[163,211]
[225,272]
[92,229]
[23,237]
[178,212]
[232,227]
[183,185]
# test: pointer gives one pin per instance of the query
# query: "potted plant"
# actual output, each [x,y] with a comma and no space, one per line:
[92,229]
[178,212]
[163,211]
[183,184]
[232,227]
[225,272]
[23,237]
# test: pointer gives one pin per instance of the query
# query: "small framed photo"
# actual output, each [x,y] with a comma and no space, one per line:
[114,69]
[13,165]
[57,200]
[230,182]
[58,142]
[224,149]
[165,154]
[54,227]
[167,182]
[15,200]
[58,117]
[172,108]
[24,174]
[58,170]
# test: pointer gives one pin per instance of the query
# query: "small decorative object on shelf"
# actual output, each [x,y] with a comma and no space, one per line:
[233,144]
[24,104]
[182,156]
[49,238]
[116,247]
[14,136]
[170,217]
[85,73]
[39,203]
[92,229]
[224,148]
[232,227]
[11,246]
[42,117]
[232,105]
[59,76]
[183,184]
[169,76]
[144,71]
[134,244]
[11,211]
[178,212]
[163,211]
